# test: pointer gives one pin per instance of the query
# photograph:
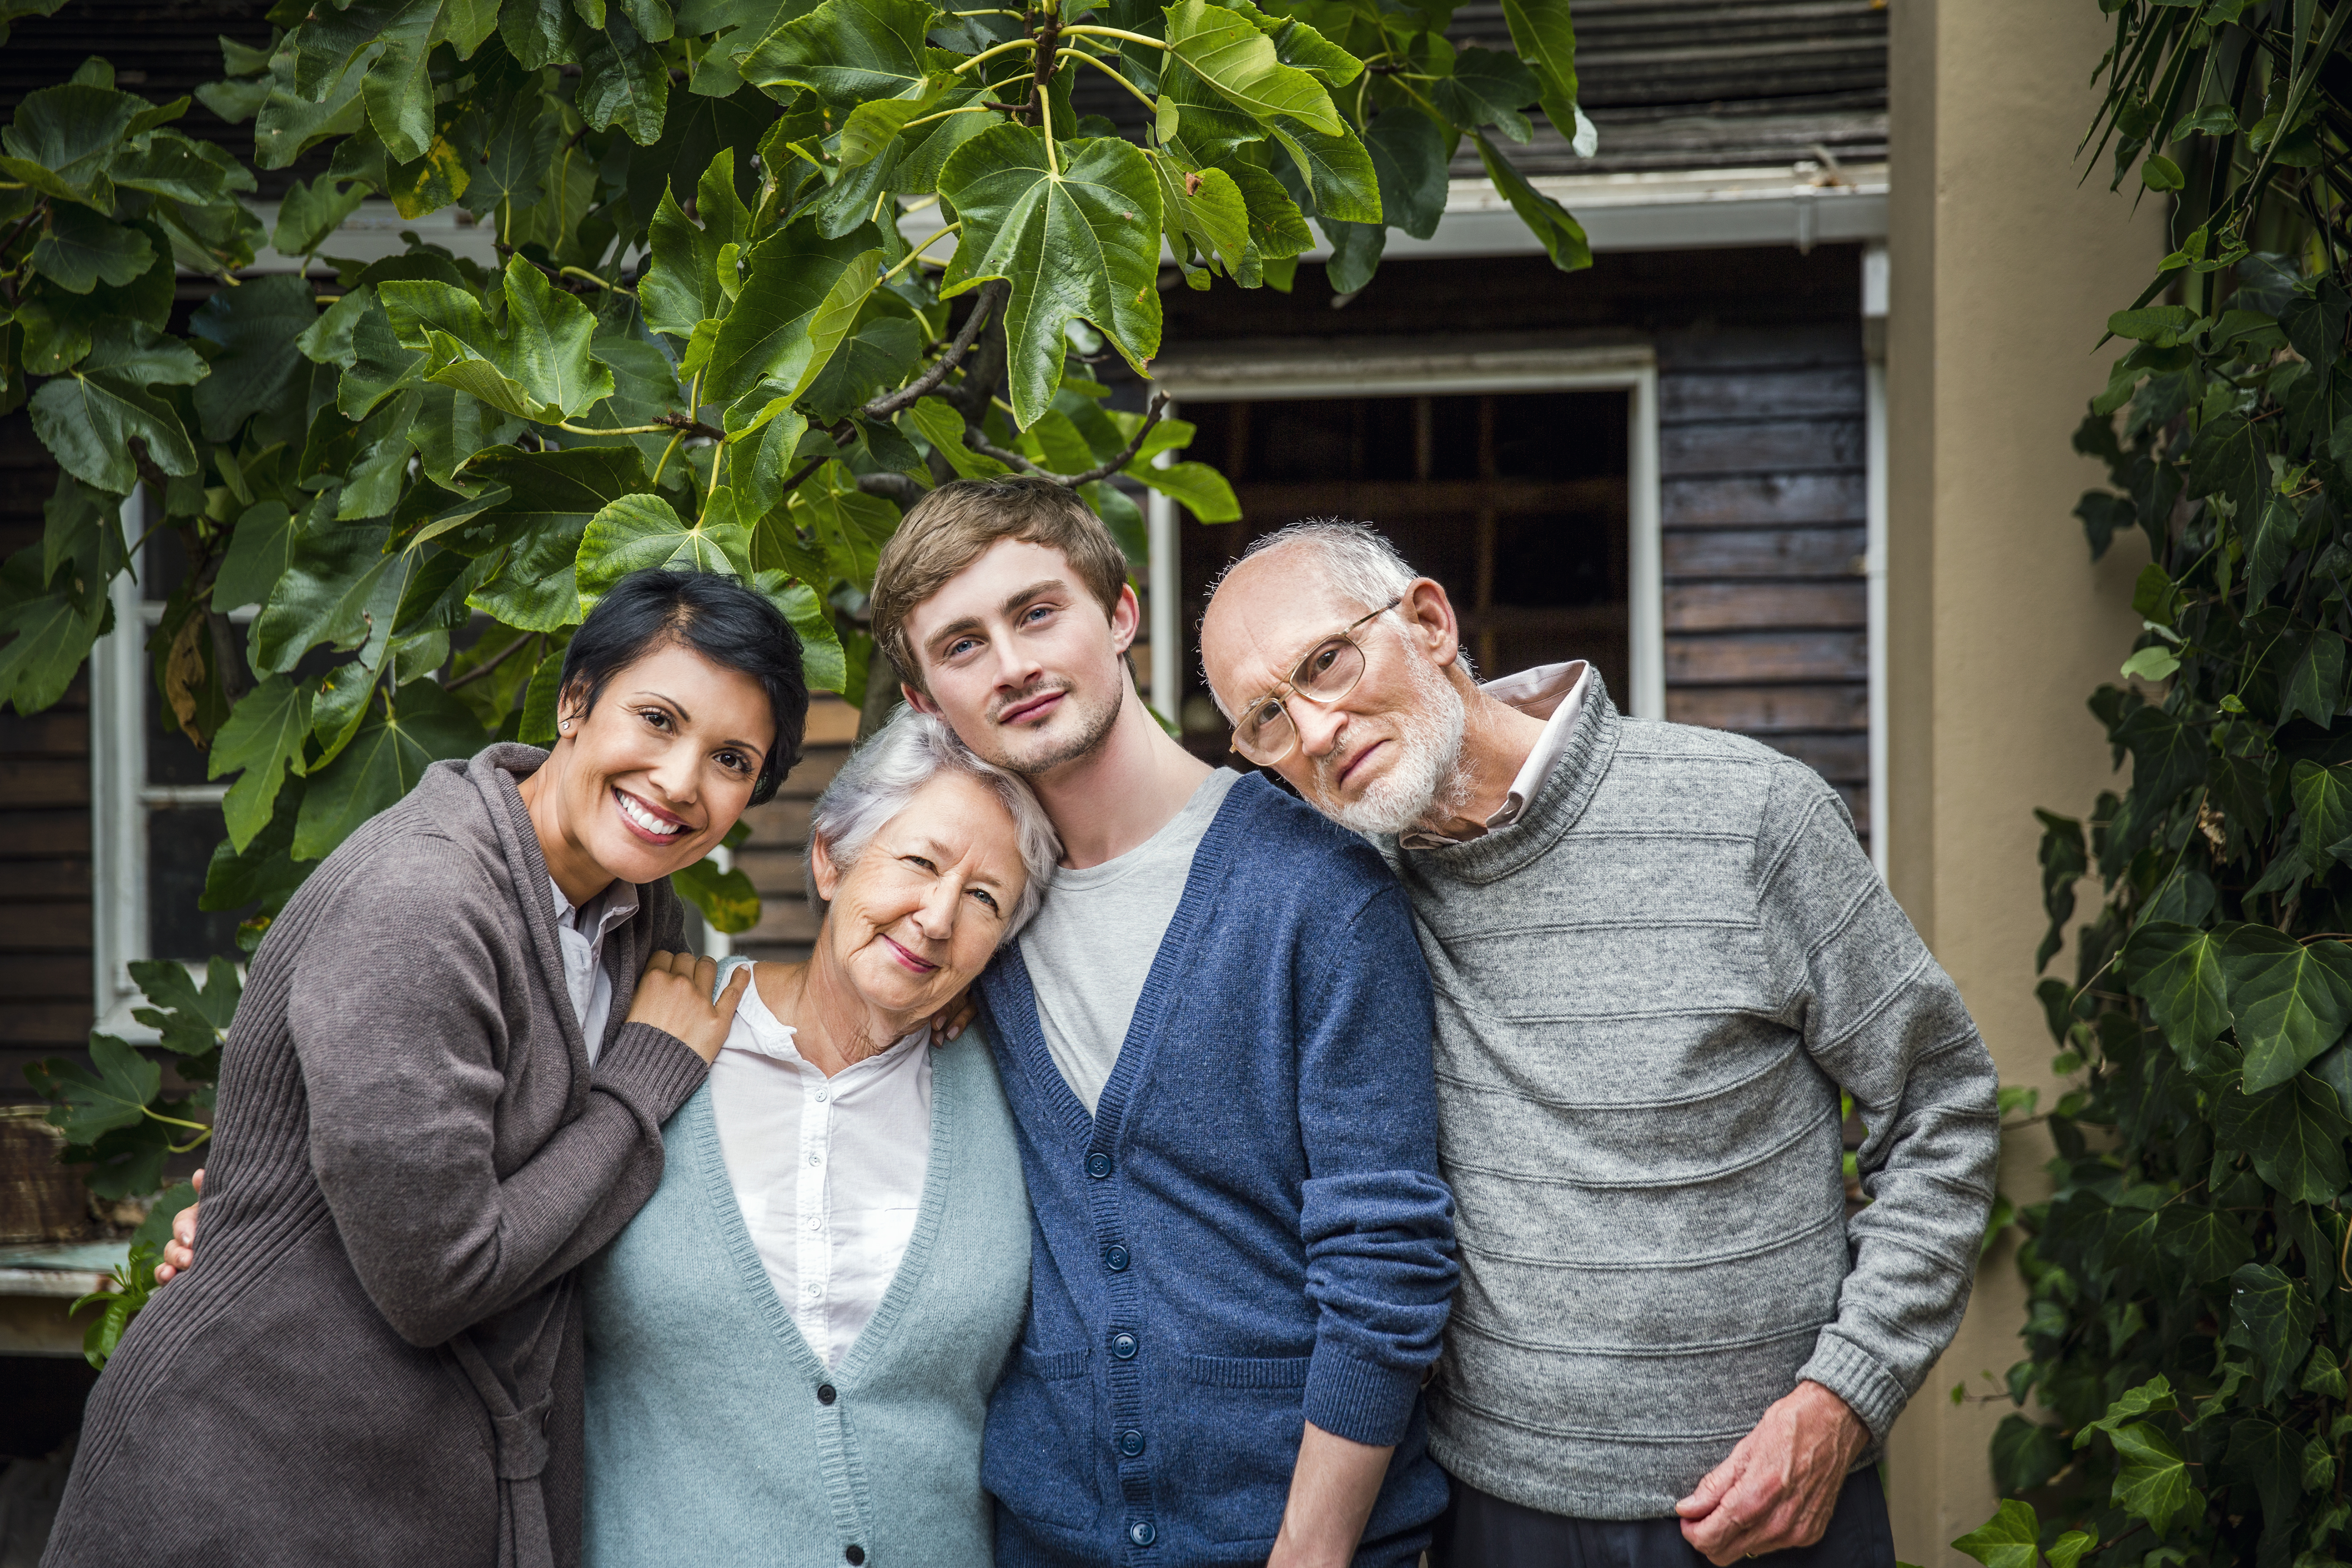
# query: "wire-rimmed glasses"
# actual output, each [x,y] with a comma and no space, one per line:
[1264,732]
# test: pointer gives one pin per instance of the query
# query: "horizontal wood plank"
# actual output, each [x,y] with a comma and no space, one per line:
[1724,606]
[1752,553]
[62,927]
[831,721]
[44,781]
[1840,758]
[1744,658]
[782,920]
[63,1023]
[44,977]
[776,873]
[1761,348]
[1773,446]
[1762,709]
[780,824]
[1372,501]
[815,770]
[42,835]
[1764,501]
[49,879]
[57,733]
[1743,395]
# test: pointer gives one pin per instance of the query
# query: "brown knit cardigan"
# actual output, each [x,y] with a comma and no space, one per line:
[372,1360]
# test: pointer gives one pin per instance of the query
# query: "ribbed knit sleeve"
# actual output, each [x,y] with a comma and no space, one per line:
[398,1013]
[1376,1220]
[1886,1023]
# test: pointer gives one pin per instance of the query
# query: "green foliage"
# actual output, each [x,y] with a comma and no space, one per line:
[707,345]
[2190,1315]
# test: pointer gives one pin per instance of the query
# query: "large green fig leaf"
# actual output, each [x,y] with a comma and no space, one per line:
[89,422]
[683,286]
[383,763]
[536,367]
[1546,38]
[641,531]
[1237,61]
[551,496]
[64,139]
[264,737]
[847,51]
[765,346]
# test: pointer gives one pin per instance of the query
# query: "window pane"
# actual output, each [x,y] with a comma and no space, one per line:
[180,840]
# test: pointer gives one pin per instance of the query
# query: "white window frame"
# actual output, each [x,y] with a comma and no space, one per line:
[121,796]
[1283,372]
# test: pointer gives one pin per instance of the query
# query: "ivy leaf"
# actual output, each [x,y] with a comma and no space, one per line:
[2324,796]
[682,288]
[2323,1375]
[765,345]
[847,52]
[1562,236]
[2313,684]
[728,900]
[1546,38]
[2153,1482]
[383,763]
[264,737]
[537,366]
[2178,971]
[2293,1133]
[1409,155]
[79,249]
[2167,756]
[1079,243]
[254,328]
[2210,1243]
[2026,1454]
[2270,1457]
[1229,53]
[2291,1001]
[640,532]
[88,423]
[553,496]
[2154,1395]
[89,1105]
[2009,1538]
[2278,1317]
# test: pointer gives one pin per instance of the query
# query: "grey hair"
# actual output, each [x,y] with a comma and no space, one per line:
[1358,562]
[884,773]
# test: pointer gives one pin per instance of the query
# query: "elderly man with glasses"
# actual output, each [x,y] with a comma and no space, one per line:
[1659,954]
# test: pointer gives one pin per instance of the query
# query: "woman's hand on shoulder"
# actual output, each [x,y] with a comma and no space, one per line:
[674,997]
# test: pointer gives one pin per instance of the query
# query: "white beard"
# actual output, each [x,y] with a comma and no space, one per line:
[1425,780]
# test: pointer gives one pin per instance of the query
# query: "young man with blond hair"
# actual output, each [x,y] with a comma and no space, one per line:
[1215,1039]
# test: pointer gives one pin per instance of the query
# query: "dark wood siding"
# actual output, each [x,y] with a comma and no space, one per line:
[46,982]
[1761,469]
[775,855]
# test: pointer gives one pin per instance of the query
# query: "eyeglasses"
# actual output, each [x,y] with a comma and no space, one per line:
[1263,734]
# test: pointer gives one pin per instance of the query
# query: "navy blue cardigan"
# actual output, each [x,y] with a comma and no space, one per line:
[1249,1233]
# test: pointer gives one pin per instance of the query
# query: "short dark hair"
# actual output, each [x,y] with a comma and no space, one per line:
[717,618]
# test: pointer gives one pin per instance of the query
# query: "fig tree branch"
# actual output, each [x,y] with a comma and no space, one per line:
[907,396]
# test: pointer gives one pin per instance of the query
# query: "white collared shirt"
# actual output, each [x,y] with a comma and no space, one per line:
[1552,692]
[827,1171]
[583,954]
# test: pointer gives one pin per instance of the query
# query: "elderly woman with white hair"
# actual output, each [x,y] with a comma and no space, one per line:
[791,1347]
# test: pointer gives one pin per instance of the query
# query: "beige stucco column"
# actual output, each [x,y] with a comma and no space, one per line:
[2005,265]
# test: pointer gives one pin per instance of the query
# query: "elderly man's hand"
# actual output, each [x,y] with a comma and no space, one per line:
[1779,1486]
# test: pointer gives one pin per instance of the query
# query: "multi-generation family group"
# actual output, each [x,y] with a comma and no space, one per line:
[1149,1166]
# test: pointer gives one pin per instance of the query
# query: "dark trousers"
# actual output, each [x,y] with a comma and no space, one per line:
[1480,1531]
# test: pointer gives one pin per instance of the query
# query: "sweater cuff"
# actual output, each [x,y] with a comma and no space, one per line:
[1358,1400]
[651,1066]
[1869,1390]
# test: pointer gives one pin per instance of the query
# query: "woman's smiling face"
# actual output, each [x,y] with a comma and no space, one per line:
[662,766]
[922,910]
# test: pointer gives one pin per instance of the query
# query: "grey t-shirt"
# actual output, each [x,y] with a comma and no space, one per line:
[1091,947]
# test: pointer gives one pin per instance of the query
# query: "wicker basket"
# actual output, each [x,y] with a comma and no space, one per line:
[40,1200]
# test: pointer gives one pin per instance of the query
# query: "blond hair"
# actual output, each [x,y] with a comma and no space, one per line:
[950,528]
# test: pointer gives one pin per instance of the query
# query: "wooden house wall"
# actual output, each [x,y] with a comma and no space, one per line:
[46,982]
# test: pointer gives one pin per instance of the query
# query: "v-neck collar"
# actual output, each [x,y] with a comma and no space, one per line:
[698,1122]
[1026,1035]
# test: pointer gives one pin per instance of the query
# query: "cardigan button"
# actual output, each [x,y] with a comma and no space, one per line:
[1130,1443]
[1097,1165]
[826,1395]
[1141,1533]
[1115,1258]
[855,1554]
[1123,1346]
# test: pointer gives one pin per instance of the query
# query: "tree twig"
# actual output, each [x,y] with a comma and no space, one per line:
[907,396]
[979,443]
[895,488]
[492,663]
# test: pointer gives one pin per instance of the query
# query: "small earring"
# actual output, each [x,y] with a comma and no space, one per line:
[566,725]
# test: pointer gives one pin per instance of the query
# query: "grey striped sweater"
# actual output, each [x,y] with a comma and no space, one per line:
[1650,989]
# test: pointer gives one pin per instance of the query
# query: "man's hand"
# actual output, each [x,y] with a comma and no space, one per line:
[955,1018]
[1779,1486]
[1332,1489]
[674,997]
[181,1250]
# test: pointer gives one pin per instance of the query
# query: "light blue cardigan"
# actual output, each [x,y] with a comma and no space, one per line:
[716,1436]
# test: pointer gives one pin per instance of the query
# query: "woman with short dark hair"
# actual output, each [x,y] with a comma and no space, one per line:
[445,1089]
